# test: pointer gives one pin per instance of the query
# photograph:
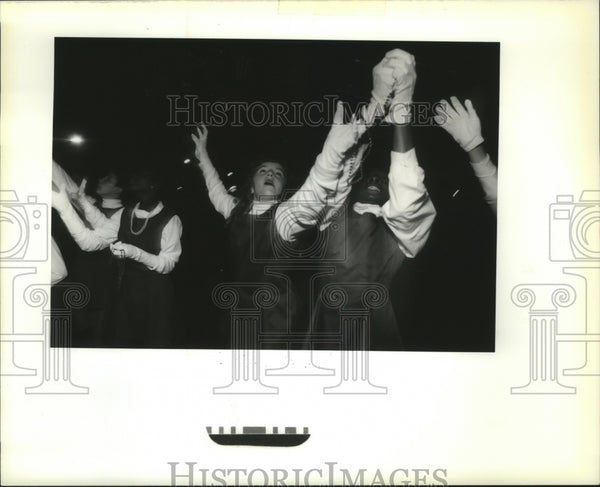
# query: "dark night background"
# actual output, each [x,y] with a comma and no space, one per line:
[114,93]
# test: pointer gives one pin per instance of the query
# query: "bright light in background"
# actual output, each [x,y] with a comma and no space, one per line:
[76,139]
[232,189]
[229,174]
[187,161]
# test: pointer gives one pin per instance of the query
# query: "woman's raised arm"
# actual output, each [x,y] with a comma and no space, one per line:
[326,185]
[223,202]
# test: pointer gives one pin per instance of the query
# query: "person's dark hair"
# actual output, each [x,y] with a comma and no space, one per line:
[246,197]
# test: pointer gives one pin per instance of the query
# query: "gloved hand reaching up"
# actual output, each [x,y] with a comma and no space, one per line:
[461,122]
[395,67]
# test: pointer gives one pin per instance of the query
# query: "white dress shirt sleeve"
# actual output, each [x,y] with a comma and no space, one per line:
[487,173]
[325,189]
[409,213]
[88,239]
[92,214]
[103,227]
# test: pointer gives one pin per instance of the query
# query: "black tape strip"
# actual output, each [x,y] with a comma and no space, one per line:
[258,436]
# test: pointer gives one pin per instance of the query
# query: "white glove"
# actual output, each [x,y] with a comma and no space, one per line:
[125,251]
[342,137]
[405,75]
[60,199]
[62,179]
[81,190]
[462,124]
[64,205]
[383,80]
[385,74]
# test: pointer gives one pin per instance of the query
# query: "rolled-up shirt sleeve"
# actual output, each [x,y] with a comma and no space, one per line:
[170,249]
[409,213]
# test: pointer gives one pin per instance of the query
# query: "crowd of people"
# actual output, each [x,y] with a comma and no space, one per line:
[370,220]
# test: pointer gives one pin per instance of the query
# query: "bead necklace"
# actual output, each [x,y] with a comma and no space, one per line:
[131,222]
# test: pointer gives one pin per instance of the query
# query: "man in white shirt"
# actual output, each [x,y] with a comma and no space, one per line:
[387,220]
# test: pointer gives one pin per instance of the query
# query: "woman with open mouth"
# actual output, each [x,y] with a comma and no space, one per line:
[256,221]
[260,225]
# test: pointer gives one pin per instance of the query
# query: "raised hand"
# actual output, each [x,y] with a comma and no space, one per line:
[394,66]
[461,122]
[79,197]
[200,141]
[405,79]
[60,199]
[383,80]
[343,137]
[81,189]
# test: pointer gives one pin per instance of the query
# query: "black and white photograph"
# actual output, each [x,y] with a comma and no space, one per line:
[280,242]
[243,193]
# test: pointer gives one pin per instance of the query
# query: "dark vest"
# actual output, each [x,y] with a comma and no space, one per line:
[371,251]
[254,259]
[149,239]
[364,250]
